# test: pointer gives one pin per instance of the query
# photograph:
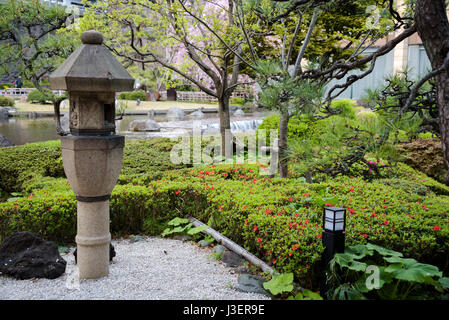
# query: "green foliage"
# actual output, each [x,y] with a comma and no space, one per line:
[181,225]
[40,96]
[31,27]
[6,101]
[306,295]
[237,100]
[347,107]
[280,283]
[6,85]
[278,220]
[373,272]
[133,95]
[297,126]
[19,165]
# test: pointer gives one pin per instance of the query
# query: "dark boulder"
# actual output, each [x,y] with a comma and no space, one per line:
[232,259]
[5,142]
[111,252]
[25,256]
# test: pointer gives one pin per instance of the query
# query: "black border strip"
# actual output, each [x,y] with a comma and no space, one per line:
[94,199]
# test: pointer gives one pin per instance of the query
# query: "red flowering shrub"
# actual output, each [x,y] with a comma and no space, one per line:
[272,218]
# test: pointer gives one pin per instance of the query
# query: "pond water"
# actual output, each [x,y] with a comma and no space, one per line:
[24,130]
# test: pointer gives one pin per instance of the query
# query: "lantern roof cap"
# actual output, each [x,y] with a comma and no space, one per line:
[91,67]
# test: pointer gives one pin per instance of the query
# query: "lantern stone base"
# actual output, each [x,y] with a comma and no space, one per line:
[93,239]
[92,165]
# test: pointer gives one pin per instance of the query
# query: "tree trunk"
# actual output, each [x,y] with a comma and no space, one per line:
[283,145]
[433,28]
[225,124]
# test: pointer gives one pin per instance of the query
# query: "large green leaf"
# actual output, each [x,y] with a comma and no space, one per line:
[280,283]
[444,281]
[347,260]
[411,270]
[384,278]
[359,251]
[177,221]
[383,251]
[196,230]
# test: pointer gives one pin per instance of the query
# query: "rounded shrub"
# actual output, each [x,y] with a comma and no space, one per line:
[6,101]
[347,107]
[40,96]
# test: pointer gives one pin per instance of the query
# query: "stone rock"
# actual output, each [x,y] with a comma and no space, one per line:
[5,142]
[25,256]
[204,243]
[219,249]
[232,259]
[242,269]
[251,284]
[175,113]
[4,113]
[232,109]
[137,239]
[238,113]
[197,114]
[111,253]
[144,125]
[182,237]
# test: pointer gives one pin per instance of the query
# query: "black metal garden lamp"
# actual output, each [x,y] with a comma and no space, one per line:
[333,237]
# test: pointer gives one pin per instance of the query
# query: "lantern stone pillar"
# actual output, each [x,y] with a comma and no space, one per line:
[92,154]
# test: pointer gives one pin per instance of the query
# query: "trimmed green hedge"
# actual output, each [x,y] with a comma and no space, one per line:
[278,220]
[133,95]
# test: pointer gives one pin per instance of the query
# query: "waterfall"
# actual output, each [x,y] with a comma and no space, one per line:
[244,125]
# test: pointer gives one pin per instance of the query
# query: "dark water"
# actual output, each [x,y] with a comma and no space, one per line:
[24,130]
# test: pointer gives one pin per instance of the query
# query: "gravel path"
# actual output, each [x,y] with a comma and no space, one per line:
[151,269]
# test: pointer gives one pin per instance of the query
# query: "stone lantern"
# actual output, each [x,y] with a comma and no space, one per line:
[92,154]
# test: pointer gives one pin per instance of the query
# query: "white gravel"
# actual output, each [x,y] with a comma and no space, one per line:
[152,269]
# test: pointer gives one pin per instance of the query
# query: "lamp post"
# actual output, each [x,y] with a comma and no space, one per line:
[333,237]
[92,154]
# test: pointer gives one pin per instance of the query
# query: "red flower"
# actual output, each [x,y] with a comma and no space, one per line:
[290,199]
[327,204]
[373,214]
[267,211]
[295,247]
[255,228]
[274,261]
[386,222]
[436,228]
[352,211]
[221,208]
[365,235]
[246,220]
[259,240]
[245,207]
[178,192]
